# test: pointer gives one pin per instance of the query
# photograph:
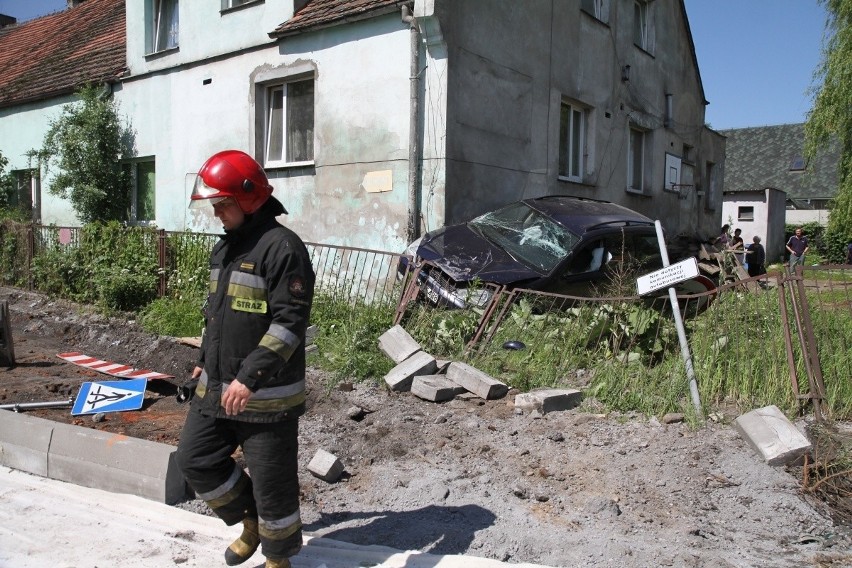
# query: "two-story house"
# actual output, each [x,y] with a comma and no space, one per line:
[377,120]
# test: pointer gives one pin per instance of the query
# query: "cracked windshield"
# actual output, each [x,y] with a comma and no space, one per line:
[527,235]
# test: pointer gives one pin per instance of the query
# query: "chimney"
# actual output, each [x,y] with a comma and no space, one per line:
[6,21]
[74,3]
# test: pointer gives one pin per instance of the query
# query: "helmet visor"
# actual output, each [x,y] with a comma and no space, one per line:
[204,196]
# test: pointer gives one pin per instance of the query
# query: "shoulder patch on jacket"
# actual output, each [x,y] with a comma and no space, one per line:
[297,286]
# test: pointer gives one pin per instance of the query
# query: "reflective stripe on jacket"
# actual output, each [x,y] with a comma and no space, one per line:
[259,302]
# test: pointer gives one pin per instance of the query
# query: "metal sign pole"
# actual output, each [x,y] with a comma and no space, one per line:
[681,331]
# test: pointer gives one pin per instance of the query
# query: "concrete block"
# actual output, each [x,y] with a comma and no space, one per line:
[326,466]
[772,435]
[25,442]
[116,463]
[477,382]
[548,400]
[400,377]
[397,344]
[436,388]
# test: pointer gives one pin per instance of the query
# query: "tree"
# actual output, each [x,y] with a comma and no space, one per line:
[86,144]
[831,117]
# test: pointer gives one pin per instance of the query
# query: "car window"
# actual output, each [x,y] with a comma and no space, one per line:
[634,253]
[528,236]
[589,259]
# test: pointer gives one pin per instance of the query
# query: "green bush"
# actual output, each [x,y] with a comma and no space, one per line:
[172,317]
[57,271]
[123,289]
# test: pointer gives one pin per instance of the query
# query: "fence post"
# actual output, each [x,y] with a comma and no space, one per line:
[30,254]
[161,259]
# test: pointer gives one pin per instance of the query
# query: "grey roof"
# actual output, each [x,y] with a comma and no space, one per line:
[766,156]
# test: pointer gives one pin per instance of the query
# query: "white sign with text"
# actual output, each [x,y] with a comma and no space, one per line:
[668,276]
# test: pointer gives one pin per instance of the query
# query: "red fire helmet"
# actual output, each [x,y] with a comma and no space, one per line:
[231,173]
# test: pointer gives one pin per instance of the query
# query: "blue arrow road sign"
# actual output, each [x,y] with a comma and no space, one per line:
[110,396]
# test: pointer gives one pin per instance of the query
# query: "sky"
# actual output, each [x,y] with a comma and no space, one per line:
[756,57]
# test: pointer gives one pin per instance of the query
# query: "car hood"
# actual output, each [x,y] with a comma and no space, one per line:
[464,255]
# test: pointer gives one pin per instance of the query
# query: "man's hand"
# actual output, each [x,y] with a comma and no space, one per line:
[235,398]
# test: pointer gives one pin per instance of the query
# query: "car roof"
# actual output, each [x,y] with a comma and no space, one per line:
[581,215]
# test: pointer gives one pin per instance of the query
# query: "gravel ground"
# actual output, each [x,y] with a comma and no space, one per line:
[575,488]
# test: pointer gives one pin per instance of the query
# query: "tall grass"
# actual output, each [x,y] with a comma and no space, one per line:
[627,356]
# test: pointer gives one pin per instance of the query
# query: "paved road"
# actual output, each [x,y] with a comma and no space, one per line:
[44,522]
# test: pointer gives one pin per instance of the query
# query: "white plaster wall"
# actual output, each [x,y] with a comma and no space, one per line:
[768,221]
[803,216]
[760,225]
[433,65]
[361,125]
[22,129]
[205,31]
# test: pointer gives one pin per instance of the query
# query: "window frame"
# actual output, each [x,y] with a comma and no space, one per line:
[572,141]
[598,9]
[229,5]
[156,22]
[640,24]
[269,92]
[745,213]
[133,166]
[632,159]
[27,194]
[710,172]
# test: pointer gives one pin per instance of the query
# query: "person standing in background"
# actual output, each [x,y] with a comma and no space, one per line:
[797,246]
[738,246]
[724,238]
[755,257]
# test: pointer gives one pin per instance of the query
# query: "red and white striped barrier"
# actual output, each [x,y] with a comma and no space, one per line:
[110,368]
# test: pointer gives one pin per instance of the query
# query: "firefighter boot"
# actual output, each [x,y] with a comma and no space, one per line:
[277,563]
[244,547]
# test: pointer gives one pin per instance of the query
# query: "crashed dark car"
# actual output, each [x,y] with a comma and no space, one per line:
[559,244]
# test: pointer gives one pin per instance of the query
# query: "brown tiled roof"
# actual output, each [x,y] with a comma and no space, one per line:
[323,13]
[55,54]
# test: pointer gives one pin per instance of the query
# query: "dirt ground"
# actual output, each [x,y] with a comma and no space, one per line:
[573,488]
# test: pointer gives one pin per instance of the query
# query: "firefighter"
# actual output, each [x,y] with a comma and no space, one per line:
[251,368]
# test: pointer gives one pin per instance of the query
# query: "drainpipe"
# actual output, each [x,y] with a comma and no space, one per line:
[414,151]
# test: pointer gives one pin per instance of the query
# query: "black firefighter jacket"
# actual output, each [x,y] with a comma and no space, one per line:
[261,289]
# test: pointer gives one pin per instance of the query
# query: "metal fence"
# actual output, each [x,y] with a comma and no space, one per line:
[182,260]
[782,340]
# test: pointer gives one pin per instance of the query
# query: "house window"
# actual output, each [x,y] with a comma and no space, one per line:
[635,160]
[745,214]
[597,8]
[289,135]
[23,195]
[235,3]
[797,164]
[710,181]
[572,140]
[142,191]
[164,25]
[640,24]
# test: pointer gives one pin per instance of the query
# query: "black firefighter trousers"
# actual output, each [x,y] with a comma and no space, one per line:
[271,494]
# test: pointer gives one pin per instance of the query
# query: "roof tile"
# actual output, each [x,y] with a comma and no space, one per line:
[56,54]
[761,157]
[318,13]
